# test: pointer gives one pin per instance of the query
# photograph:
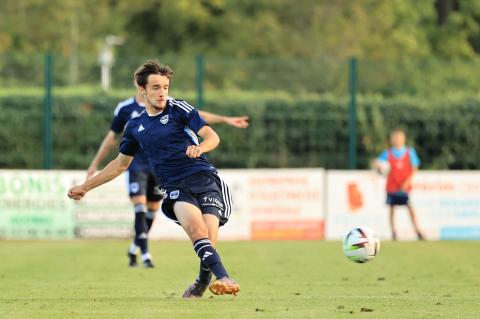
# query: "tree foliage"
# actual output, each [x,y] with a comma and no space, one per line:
[246,28]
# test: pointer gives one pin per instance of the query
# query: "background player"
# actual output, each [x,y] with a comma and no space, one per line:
[403,162]
[143,189]
[196,197]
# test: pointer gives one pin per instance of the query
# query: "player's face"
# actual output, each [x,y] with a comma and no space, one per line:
[156,91]
[398,139]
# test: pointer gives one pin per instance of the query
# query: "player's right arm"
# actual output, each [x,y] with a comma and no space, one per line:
[379,162]
[108,142]
[112,170]
[128,147]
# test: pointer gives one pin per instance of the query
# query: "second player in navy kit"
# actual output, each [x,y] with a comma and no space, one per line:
[196,197]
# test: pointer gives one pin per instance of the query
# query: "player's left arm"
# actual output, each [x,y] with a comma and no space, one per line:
[210,141]
[235,121]
[415,162]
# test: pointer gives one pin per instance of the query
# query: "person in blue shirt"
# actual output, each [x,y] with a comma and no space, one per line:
[403,162]
[143,189]
[194,195]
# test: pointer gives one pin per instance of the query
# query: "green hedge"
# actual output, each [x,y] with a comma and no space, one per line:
[284,132]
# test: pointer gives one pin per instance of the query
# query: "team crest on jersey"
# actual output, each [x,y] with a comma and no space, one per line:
[164,119]
[174,194]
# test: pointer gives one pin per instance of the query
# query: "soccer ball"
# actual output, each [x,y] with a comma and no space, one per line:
[382,167]
[361,245]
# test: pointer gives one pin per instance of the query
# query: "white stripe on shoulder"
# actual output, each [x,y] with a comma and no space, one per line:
[188,106]
[123,104]
[184,106]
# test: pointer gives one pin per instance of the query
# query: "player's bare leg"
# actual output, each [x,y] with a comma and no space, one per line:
[192,221]
[392,222]
[413,217]
[198,288]
[225,285]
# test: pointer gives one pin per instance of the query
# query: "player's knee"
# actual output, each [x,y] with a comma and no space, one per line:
[197,231]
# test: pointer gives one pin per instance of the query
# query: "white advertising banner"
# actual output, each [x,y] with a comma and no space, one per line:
[447,204]
[267,204]
[276,203]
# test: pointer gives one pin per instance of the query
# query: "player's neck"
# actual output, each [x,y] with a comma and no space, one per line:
[152,110]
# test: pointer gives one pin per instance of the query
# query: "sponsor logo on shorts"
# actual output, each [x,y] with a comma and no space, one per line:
[134,187]
[174,194]
[212,201]
[164,119]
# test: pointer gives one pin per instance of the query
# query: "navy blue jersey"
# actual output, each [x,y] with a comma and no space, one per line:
[125,111]
[165,138]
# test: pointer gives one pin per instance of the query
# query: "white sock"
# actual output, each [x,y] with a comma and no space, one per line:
[146,256]
[133,249]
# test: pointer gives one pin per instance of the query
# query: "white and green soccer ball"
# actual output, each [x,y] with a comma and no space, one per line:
[361,245]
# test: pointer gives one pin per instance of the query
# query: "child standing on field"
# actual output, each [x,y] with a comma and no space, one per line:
[403,162]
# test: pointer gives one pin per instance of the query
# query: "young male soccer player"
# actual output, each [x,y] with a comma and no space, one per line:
[143,189]
[196,197]
[403,162]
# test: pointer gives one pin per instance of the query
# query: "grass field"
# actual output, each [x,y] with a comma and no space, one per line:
[90,279]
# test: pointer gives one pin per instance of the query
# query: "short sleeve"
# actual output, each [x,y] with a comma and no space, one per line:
[118,121]
[383,157]
[128,145]
[414,159]
[190,115]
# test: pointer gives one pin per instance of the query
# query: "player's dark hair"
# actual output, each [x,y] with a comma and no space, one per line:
[151,67]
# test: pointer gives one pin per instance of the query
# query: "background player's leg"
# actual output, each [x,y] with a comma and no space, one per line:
[152,207]
[132,250]
[392,222]
[141,233]
[413,217]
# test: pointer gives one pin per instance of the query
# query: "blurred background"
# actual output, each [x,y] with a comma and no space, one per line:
[288,64]
[322,81]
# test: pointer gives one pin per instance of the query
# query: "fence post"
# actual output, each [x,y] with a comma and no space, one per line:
[352,115]
[200,77]
[47,112]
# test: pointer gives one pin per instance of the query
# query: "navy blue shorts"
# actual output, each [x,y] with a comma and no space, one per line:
[205,190]
[398,199]
[144,183]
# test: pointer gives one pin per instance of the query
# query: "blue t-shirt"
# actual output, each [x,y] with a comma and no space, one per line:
[165,138]
[399,153]
[125,111]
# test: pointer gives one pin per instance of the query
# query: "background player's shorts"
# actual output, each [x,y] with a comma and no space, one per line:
[205,190]
[398,199]
[144,183]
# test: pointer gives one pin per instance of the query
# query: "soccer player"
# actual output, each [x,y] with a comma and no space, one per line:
[403,162]
[195,196]
[143,190]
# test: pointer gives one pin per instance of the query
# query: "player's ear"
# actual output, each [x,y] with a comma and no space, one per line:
[141,89]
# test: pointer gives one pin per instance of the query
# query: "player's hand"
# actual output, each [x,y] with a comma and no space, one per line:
[77,192]
[194,151]
[91,171]
[240,121]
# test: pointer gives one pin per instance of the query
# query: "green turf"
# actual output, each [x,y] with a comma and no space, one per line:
[89,279]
